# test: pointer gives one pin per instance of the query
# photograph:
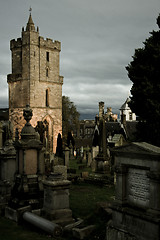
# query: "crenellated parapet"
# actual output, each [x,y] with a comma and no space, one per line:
[15,43]
[48,43]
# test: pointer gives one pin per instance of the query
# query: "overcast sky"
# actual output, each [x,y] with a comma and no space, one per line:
[98,40]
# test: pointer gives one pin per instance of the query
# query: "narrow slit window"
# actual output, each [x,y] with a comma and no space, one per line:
[47,72]
[47,98]
[47,56]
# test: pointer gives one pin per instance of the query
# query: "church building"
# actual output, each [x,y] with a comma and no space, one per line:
[35,81]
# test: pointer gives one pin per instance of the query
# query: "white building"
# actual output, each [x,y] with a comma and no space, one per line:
[126,113]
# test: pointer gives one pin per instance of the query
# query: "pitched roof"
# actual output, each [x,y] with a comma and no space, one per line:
[114,128]
[130,129]
[125,105]
[30,25]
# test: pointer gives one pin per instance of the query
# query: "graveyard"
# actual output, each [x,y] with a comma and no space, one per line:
[83,202]
[99,183]
[87,202]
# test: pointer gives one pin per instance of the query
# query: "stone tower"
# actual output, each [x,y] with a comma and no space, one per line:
[35,81]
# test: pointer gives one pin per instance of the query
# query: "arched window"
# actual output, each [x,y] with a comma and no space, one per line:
[47,97]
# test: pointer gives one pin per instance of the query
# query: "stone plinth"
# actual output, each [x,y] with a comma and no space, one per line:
[136,210]
[62,170]
[56,200]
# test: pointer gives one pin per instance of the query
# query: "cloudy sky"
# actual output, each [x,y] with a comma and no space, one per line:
[98,40]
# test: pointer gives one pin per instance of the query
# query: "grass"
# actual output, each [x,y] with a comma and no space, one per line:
[76,163]
[11,231]
[84,198]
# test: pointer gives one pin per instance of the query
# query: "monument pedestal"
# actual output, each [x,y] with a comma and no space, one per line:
[56,200]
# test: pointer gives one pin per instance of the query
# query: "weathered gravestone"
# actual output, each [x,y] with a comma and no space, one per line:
[7,165]
[136,210]
[89,159]
[56,199]
[66,159]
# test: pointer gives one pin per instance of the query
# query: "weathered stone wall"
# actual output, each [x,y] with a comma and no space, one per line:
[35,81]
[18,94]
[52,116]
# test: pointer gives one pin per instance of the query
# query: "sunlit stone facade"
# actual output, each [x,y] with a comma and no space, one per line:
[35,80]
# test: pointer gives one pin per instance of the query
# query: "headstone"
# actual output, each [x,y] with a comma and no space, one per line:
[136,208]
[94,166]
[81,151]
[59,151]
[85,175]
[67,156]
[95,151]
[89,159]
[7,170]
[84,160]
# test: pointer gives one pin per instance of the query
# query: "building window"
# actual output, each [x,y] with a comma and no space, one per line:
[47,97]
[47,56]
[47,72]
[130,116]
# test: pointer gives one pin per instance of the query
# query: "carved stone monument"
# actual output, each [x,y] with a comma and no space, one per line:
[136,210]
[28,187]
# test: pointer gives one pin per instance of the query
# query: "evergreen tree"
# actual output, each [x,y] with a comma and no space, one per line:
[70,117]
[144,72]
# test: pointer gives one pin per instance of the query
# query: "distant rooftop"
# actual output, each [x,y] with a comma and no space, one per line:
[4,114]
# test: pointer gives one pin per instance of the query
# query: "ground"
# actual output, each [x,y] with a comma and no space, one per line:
[84,199]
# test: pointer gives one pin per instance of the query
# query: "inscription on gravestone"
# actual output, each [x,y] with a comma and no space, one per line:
[138,187]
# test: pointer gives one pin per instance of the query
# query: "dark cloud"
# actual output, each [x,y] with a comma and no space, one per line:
[98,40]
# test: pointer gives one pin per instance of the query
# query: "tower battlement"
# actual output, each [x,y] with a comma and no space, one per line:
[15,43]
[48,43]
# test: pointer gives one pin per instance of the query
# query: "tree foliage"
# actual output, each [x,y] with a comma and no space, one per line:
[144,72]
[70,117]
